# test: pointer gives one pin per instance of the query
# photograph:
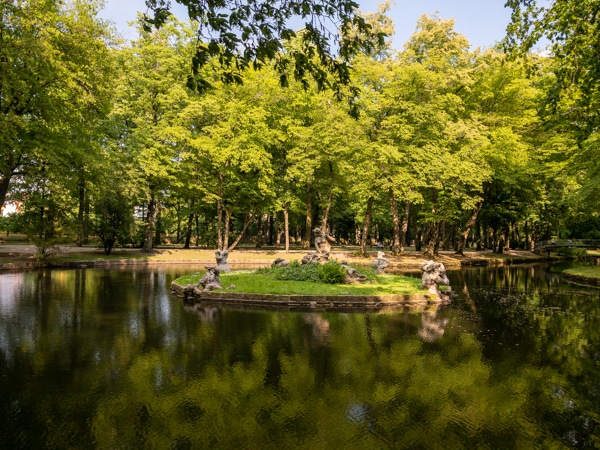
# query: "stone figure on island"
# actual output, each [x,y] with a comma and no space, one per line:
[210,280]
[323,242]
[380,263]
[434,275]
[314,258]
[280,262]
[353,275]
[221,257]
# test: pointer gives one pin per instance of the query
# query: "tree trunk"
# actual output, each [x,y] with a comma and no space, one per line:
[431,240]
[259,235]
[365,230]
[188,231]
[271,230]
[4,185]
[327,208]
[396,239]
[220,206]
[286,219]
[149,224]
[404,228]
[308,229]
[157,228]
[219,224]
[80,214]
[226,228]
[237,240]
[467,230]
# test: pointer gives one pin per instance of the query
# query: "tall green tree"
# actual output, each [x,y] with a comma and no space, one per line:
[151,91]
[55,72]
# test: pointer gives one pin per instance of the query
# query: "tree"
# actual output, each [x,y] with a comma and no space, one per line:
[55,69]
[151,92]
[248,33]
[571,101]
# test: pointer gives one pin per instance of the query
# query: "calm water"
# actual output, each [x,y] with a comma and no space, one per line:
[108,359]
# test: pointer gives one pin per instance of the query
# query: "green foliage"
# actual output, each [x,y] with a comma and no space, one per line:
[113,221]
[251,34]
[575,253]
[299,272]
[331,273]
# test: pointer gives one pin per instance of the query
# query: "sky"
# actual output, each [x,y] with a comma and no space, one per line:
[483,22]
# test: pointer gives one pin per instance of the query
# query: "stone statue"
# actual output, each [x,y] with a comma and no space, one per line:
[210,280]
[311,258]
[380,263]
[434,275]
[221,256]
[353,275]
[323,242]
[280,262]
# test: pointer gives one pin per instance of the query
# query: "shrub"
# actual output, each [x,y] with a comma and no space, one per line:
[297,272]
[331,273]
[575,253]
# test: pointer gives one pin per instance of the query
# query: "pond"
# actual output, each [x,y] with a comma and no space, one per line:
[108,359]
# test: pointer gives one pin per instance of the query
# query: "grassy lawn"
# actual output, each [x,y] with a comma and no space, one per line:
[585,271]
[263,282]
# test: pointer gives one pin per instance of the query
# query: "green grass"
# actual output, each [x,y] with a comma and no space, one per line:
[585,271]
[263,282]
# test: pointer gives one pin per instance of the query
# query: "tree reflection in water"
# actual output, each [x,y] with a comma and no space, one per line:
[108,359]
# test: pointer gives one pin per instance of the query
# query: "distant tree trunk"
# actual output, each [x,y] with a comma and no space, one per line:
[365,230]
[237,240]
[396,239]
[308,229]
[80,214]
[271,230]
[188,231]
[149,224]
[226,228]
[286,219]
[465,234]
[327,208]
[259,235]
[431,240]
[219,224]
[404,228]
[158,227]
[419,239]
[528,241]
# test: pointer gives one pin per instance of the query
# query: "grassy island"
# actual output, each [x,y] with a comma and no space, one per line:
[306,280]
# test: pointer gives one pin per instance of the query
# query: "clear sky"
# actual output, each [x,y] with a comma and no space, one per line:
[483,22]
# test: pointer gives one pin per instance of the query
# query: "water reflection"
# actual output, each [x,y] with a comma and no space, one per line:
[107,359]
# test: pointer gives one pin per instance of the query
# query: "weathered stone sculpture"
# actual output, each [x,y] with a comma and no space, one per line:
[380,263]
[434,275]
[353,275]
[221,257]
[210,280]
[323,242]
[280,262]
[311,258]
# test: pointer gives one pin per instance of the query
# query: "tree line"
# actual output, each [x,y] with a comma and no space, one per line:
[434,145]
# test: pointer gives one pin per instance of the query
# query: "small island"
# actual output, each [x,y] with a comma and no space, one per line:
[314,284]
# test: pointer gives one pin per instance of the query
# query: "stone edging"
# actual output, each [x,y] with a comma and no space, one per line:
[309,302]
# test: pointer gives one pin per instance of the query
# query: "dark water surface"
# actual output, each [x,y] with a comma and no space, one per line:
[108,359]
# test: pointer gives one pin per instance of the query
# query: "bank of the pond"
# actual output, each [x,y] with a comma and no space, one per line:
[304,302]
[20,257]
